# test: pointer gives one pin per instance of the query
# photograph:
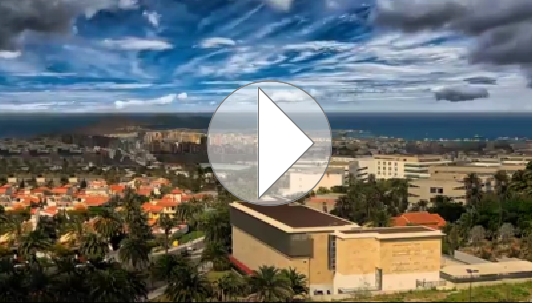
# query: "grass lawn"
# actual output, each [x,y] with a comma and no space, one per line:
[505,292]
[191,236]
[213,276]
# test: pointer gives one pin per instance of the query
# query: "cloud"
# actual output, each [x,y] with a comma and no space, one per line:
[163,100]
[289,96]
[153,18]
[456,94]
[216,42]
[481,80]
[502,28]
[282,5]
[46,16]
[137,44]
[9,54]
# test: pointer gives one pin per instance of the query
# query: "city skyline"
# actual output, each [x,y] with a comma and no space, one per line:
[351,56]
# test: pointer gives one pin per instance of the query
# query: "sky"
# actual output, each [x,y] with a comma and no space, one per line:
[186,56]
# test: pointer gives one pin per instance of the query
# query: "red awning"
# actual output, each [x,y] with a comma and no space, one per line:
[240,266]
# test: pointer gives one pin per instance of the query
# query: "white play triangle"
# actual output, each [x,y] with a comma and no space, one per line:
[280,143]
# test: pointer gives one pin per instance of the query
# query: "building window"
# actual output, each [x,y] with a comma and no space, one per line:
[440,191]
[331,252]
[432,190]
[389,163]
[395,164]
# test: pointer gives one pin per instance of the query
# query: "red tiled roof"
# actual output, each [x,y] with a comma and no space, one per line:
[149,207]
[145,191]
[95,200]
[167,202]
[240,266]
[50,210]
[431,220]
[60,190]
[176,191]
[117,188]
[327,200]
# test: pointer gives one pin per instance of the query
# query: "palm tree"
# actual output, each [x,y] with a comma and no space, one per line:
[188,286]
[269,285]
[77,218]
[114,284]
[231,286]
[94,248]
[168,265]
[15,219]
[135,251]
[298,281]
[216,252]
[216,225]
[473,189]
[108,225]
[521,181]
[34,242]
[167,224]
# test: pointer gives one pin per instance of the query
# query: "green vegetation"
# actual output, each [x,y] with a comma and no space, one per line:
[518,292]
[191,236]
[504,292]
[81,268]
[495,222]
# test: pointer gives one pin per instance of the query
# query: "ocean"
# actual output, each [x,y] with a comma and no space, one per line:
[408,126]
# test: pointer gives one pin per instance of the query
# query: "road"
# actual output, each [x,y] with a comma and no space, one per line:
[195,245]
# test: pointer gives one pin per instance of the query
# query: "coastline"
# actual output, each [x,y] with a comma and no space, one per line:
[408,126]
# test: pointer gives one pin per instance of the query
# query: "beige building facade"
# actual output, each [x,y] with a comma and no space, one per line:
[303,181]
[448,180]
[395,166]
[336,256]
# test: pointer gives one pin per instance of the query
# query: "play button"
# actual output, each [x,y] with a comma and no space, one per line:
[269,143]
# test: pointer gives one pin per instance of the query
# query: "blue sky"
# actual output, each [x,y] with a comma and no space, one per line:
[168,55]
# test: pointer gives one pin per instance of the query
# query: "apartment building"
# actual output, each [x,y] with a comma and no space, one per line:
[396,166]
[448,180]
[302,181]
[336,256]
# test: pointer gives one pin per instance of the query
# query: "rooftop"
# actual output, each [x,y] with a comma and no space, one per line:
[383,230]
[390,233]
[297,216]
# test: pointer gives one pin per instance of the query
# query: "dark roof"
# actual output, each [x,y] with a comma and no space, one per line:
[298,216]
[408,229]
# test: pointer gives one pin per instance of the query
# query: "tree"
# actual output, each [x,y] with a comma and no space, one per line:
[447,209]
[167,266]
[107,224]
[188,286]
[521,181]
[268,285]
[477,236]
[35,241]
[217,253]
[473,189]
[297,281]
[93,248]
[231,286]
[167,224]
[506,233]
[453,238]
